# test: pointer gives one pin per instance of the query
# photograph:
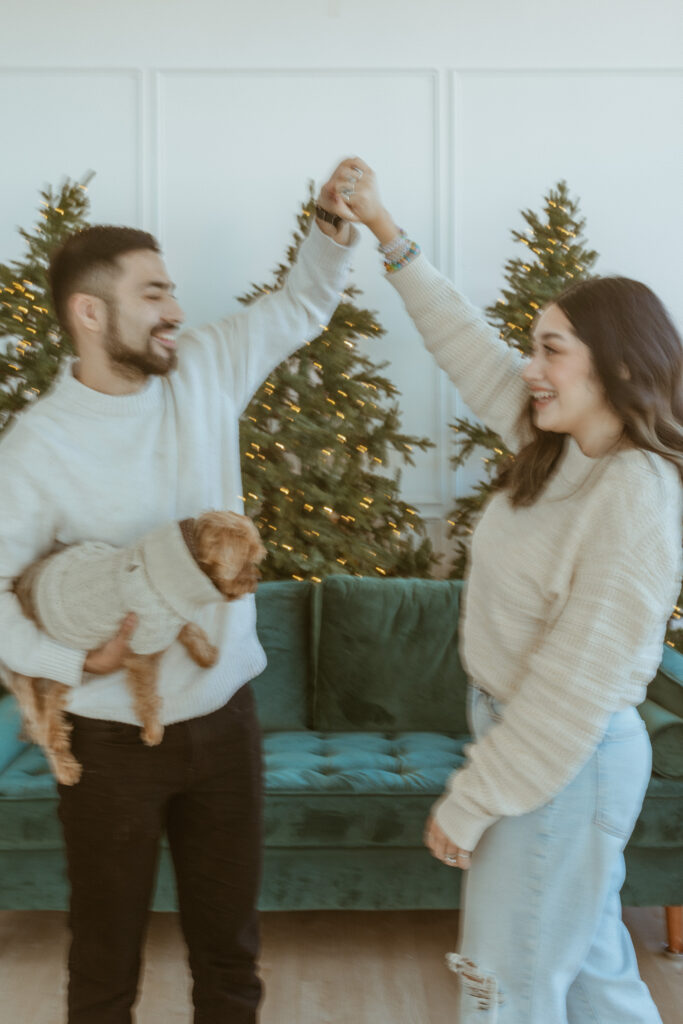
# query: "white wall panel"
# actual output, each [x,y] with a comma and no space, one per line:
[61,123]
[215,151]
[235,153]
[614,136]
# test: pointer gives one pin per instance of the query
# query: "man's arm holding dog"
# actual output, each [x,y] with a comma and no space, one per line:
[26,532]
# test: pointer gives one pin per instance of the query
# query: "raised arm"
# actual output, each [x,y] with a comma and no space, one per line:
[242,349]
[485,370]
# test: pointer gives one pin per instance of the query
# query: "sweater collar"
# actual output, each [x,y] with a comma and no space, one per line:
[76,395]
[174,573]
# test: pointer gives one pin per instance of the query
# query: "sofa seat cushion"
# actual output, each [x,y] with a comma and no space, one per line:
[346,762]
[354,789]
[323,790]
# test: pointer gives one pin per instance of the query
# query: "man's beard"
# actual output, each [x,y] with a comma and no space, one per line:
[131,363]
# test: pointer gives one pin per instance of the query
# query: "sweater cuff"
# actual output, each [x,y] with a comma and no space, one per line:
[412,279]
[462,828]
[329,252]
[61,664]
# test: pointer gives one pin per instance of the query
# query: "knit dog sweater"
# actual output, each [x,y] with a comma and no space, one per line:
[82,594]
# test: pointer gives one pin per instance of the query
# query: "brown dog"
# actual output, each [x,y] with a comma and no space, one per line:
[80,594]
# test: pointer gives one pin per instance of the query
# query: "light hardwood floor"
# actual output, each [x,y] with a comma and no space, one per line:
[319,968]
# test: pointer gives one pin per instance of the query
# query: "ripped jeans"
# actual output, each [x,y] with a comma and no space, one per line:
[542,940]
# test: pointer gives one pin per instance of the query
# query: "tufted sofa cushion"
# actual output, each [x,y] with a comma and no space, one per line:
[345,790]
[354,789]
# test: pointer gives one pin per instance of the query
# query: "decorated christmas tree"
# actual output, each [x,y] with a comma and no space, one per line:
[32,344]
[555,255]
[317,440]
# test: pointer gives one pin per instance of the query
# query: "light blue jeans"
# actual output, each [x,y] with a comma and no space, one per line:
[542,940]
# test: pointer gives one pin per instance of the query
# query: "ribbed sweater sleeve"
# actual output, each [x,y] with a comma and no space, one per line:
[595,658]
[27,528]
[483,367]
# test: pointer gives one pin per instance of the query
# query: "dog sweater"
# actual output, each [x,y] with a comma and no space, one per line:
[82,594]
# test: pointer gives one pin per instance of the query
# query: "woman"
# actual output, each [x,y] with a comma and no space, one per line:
[575,568]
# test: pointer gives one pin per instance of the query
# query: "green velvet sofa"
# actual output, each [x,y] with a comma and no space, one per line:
[363,711]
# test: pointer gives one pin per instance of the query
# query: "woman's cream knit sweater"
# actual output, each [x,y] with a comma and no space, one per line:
[567,600]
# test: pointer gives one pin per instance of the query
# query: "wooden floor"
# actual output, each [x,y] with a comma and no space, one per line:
[319,968]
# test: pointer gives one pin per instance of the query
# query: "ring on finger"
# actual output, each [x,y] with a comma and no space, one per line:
[451,858]
[357,171]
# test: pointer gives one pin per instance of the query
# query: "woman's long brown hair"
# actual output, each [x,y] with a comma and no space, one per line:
[638,358]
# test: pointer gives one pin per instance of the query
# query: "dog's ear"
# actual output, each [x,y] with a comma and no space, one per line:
[226,543]
[234,555]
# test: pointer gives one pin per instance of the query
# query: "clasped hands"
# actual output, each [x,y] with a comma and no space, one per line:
[352,194]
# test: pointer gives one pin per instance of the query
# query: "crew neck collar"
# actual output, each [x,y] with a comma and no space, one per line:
[99,403]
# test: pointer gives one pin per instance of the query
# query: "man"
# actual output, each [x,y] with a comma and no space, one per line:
[142,429]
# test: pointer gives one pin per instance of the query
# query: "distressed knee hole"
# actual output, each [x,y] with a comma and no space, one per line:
[480,986]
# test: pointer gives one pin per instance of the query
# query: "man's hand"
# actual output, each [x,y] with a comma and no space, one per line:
[443,849]
[110,656]
[352,193]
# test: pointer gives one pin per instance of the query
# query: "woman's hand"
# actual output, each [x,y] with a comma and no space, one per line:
[443,849]
[352,194]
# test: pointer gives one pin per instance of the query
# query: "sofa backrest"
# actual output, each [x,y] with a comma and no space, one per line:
[284,625]
[387,656]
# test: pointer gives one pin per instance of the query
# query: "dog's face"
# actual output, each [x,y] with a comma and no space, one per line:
[229,550]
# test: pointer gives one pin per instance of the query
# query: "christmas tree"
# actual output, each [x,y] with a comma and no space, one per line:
[35,344]
[555,256]
[316,441]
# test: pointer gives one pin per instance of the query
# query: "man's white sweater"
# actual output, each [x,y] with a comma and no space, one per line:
[567,600]
[80,465]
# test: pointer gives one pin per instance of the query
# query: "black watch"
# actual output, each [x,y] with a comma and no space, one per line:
[329,218]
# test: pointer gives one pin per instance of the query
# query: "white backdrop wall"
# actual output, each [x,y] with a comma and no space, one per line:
[205,121]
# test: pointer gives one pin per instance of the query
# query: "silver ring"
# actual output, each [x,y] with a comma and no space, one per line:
[347,192]
[451,858]
[357,170]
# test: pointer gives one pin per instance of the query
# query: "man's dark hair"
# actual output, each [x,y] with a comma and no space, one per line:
[88,260]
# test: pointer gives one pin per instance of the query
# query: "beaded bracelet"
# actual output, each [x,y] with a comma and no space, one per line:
[403,257]
[389,248]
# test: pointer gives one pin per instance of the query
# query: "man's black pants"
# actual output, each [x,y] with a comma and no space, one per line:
[202,784]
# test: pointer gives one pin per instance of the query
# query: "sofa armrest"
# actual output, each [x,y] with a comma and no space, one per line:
[10,727]
[666,689]
[665,730]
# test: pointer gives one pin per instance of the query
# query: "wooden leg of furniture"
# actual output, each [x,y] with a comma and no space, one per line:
[674,930]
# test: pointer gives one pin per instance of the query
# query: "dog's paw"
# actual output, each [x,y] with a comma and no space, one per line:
[152,733]
[68,771]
